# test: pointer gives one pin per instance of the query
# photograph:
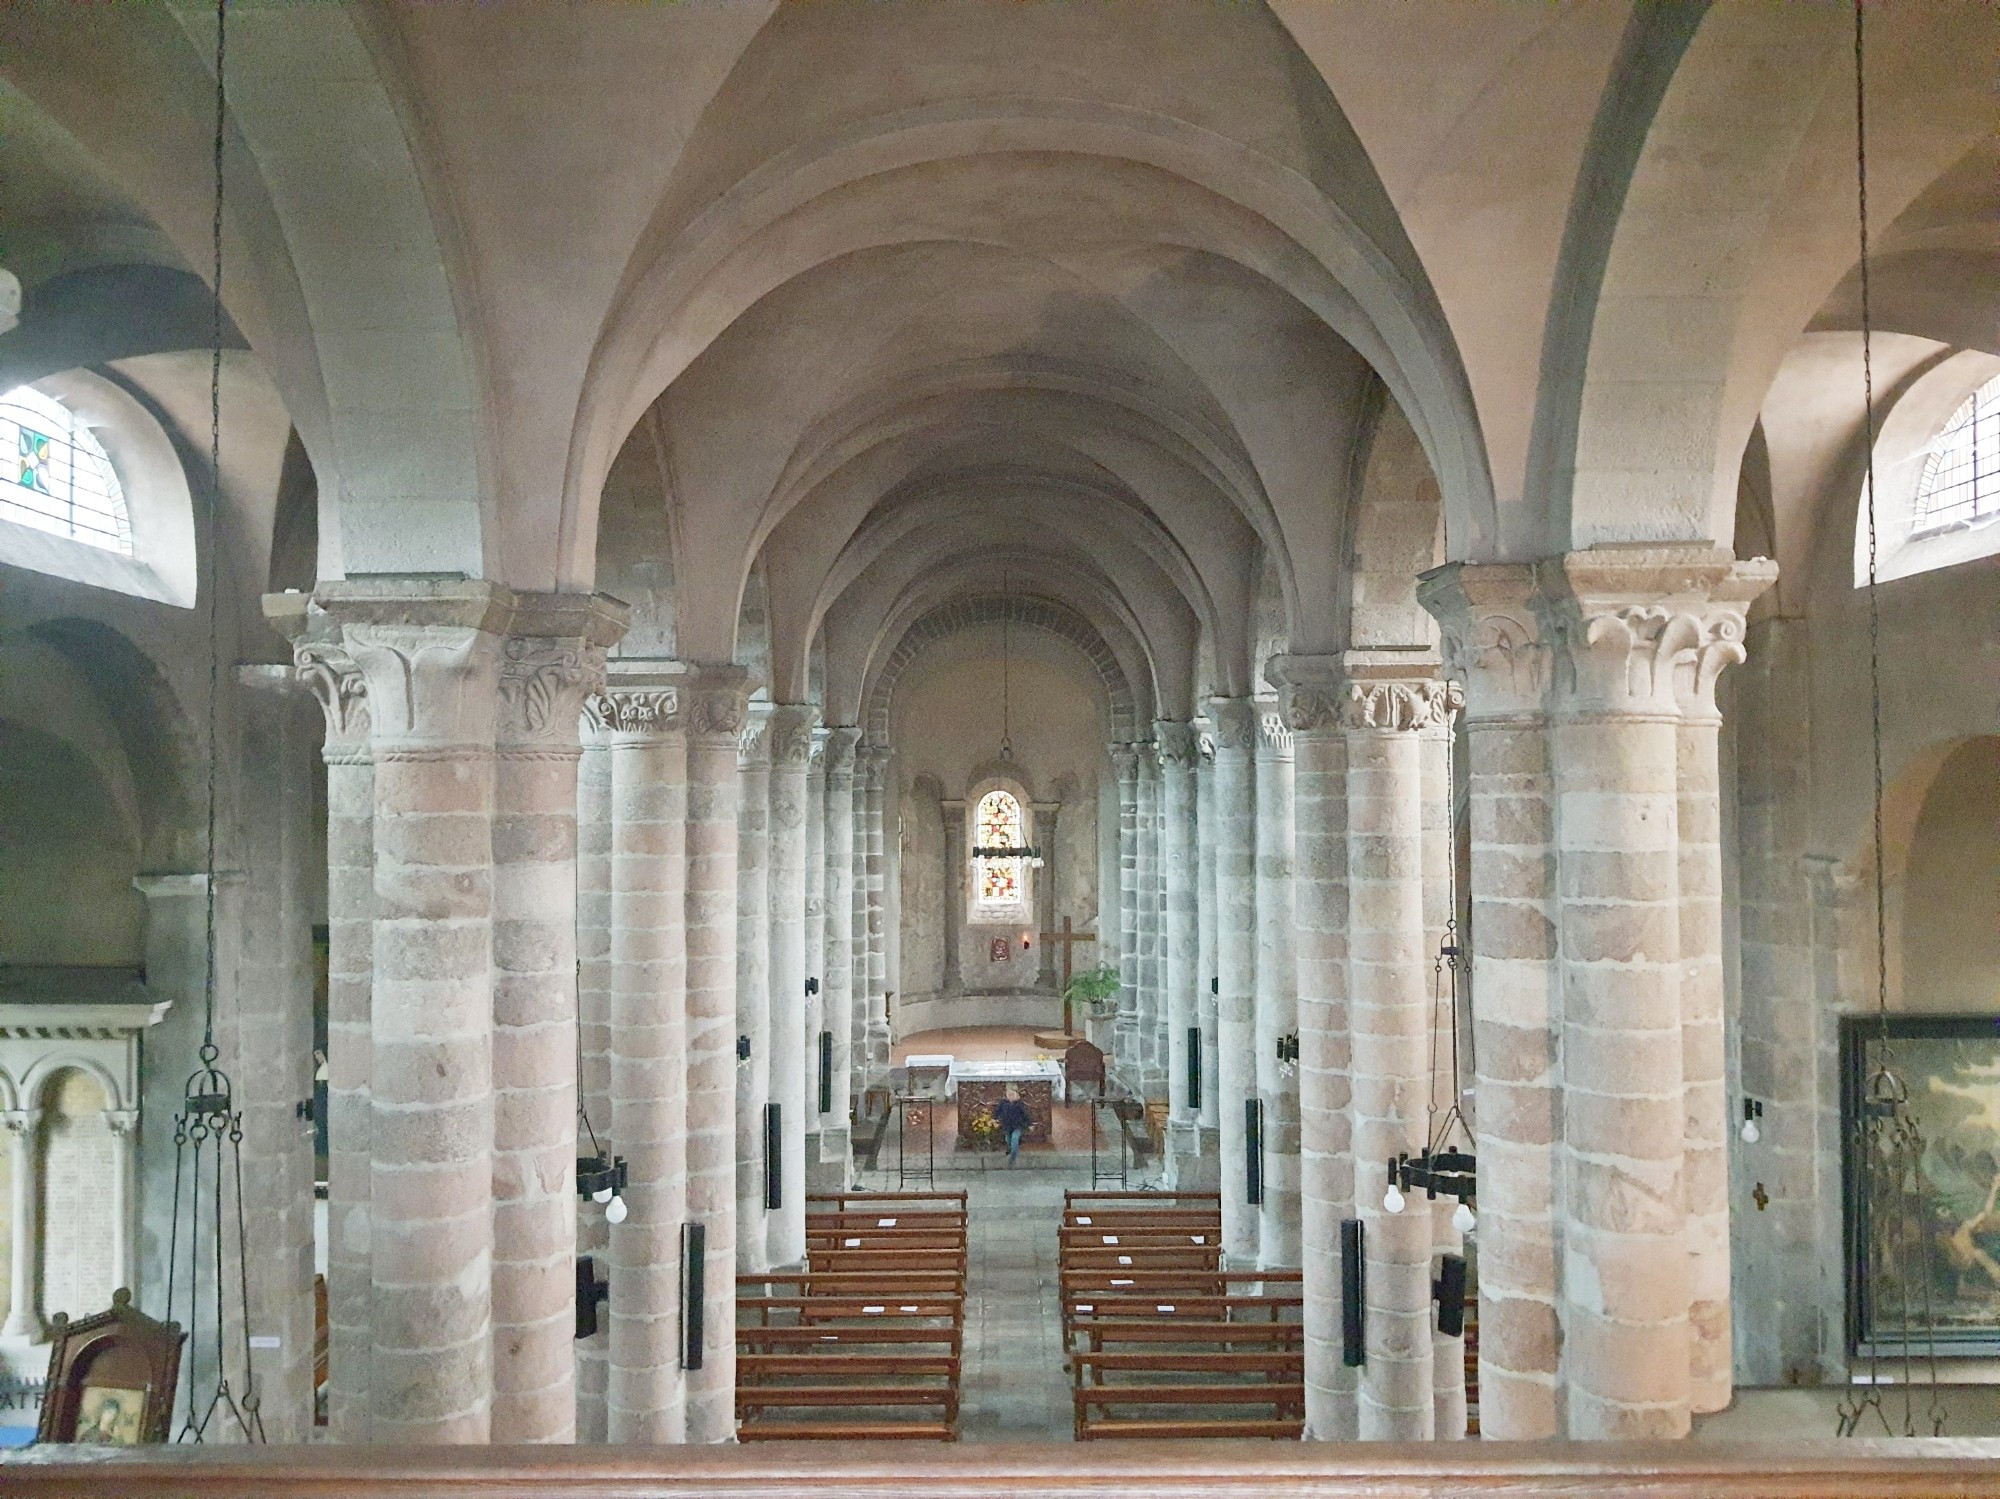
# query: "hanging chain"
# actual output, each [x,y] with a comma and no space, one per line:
[214,511]
[1892,1144]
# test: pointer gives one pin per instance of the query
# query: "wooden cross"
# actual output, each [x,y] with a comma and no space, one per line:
[1068,937]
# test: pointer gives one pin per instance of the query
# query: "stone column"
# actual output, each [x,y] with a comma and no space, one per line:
[1180,753]
[1439,852]
[1630,622]
[1152,980]
[951,816]
[124,1127]
[639,714]
[1048,832]
[593,1019]
[791,730]
[430,652]
[753,985]
[715,700]
[1390,702]
[859,994]
[1698,825]
[24,1316]
[1311,689]
[272,1025]
[1494,639]
[1786,1332]
[1205,982]
[815,947]
[876,764]
[552,658]
[1125,1028]
[1236,961]
[1277,1013]
[836,1151]
[337,683]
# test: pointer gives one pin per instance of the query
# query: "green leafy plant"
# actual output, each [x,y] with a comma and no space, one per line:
[1097,988]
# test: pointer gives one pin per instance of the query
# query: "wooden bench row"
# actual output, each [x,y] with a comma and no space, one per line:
[864,1343]
[1163,1340]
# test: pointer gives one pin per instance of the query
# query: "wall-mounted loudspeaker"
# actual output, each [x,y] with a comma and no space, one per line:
[1194,1067]
[774,1157]
[1253,1149]
[826,1072]
[694,1284]
[1449,1288]
[590,1293]
[1353,1284]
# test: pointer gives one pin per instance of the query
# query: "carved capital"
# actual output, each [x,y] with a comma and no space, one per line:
[1400,698]
[20,1122]
[1490,621]
[716,702]
[1646,630]
[543,685]
[1235,720]
[1311,690]
[753,739]
[338,685]
[1177,744]
[790,730]
[1125,757]
[430,687]
[1274,739]
[840,746]
[620,709]
[121,1122]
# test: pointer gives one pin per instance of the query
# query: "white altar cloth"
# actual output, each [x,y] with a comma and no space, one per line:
[1042,1070]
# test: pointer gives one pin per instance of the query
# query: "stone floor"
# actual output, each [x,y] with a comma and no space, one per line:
[1014,1387]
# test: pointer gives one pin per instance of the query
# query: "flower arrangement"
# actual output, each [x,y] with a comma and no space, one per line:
[985,1128]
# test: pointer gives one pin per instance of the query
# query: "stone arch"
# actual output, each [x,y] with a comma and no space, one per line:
[55,1063]
[1042,615]
[1714,214]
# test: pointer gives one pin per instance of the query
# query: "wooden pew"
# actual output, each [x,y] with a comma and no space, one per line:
[1275,1379]
[876,1332]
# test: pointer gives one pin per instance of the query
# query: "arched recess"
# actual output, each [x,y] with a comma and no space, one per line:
[1042,615]
[1033,546]
[898,591]
[375,359]
[1948,910]
[1714,214]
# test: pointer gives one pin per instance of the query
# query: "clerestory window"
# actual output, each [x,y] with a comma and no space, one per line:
[56,477]
[1960,486]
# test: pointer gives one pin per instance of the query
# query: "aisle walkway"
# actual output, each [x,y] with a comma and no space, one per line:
[1014,1388]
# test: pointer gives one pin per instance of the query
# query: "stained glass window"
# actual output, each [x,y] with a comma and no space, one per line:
[1960,486]
[997,824]
[55,476]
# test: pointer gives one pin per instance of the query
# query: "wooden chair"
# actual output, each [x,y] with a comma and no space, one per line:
[111,1377]
[1083,1063]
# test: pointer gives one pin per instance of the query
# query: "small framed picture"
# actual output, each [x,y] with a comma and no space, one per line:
[999,950]
[108,1416]
[1922,1184]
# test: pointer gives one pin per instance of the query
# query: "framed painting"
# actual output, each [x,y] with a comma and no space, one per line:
[1923,1232]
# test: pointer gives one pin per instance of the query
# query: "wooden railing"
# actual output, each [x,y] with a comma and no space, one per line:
[1925,1469]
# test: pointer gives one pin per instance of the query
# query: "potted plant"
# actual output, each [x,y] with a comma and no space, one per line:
[1097,989]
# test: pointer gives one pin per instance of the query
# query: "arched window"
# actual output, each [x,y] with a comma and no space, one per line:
[998,825]
[56,477]
[1960,487]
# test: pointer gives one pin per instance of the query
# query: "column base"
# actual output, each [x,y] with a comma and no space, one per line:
[1194,1158]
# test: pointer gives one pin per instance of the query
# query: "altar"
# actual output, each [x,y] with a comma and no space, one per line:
[978,1085]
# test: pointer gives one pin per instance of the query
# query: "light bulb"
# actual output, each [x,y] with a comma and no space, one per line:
[1462,1219]
[1751,1134]
[1392,1200]
[602,1194]
[614,1211]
